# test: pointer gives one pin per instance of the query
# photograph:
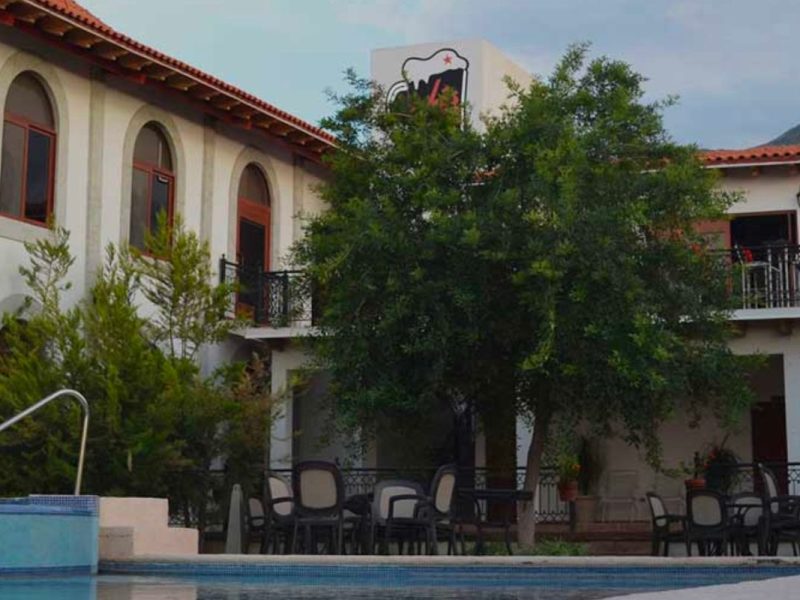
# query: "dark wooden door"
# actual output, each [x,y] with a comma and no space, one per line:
[768,421]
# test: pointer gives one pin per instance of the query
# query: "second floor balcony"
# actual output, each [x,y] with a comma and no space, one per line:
[281,301]
[765,284]
[765,281]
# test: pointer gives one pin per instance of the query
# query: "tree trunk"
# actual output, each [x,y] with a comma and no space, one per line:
[526,523]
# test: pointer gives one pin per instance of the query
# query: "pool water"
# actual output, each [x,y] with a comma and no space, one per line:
[165,588]
[543,583]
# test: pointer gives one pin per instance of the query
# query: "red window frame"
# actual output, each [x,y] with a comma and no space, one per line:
[258,214]
[29,125]
[155,171]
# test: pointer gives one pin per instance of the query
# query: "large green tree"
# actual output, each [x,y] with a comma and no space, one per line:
[547,265]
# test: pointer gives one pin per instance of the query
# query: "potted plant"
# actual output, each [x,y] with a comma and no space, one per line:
[696,481]
[719,467]
[591,468]
[568,470]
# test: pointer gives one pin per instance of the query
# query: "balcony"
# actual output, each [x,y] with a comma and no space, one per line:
[766,282]
[276,303]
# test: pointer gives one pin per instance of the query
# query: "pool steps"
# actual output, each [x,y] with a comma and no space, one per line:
[132,527]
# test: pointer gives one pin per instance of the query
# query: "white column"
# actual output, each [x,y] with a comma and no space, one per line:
[280,452]
[524,437]
[791,382]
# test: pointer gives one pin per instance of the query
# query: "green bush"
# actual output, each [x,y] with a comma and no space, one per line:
[157,423]
[545,547]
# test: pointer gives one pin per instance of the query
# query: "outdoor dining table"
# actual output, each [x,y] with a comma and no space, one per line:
[507,497]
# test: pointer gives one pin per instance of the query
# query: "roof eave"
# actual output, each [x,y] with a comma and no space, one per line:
[121,56]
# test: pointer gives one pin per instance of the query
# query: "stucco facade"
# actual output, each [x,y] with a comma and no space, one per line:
[98,116]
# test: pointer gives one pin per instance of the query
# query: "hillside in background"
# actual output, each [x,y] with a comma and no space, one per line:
[791,136]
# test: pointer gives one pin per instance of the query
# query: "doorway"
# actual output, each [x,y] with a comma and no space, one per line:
[253,242]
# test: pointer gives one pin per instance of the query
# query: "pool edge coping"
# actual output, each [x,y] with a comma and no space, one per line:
[460,561]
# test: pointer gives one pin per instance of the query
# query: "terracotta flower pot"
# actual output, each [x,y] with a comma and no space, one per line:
[568,490]
[695,483]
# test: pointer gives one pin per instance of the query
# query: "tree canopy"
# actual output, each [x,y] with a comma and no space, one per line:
[546,264]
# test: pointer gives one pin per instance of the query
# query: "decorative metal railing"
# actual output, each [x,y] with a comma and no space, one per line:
[766,276]
[745,477]
[269,298]
[549,507]
[211,516]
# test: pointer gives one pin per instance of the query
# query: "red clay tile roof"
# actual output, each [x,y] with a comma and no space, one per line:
[759,154]
[216,97]
[72,8]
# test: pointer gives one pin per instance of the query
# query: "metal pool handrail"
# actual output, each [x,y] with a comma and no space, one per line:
[45,401]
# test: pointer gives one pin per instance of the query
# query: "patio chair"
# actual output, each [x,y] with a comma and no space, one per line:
[278,520]
[620,491]
[400,512]
[707,522]
[781,515]
[319,505]
[442,498]
[663,530]
[746,512]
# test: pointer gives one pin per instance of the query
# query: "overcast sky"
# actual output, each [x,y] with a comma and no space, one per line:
[733,63]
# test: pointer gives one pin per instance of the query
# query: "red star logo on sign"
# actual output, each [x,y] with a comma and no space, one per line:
[448,59]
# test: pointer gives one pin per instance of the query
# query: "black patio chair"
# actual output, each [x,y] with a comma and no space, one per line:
[781,515]
[707,522]
[319,506]
[278,515]
[663,522]
[442,507]
[401,512]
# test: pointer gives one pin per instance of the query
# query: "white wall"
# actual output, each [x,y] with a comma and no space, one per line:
[769,189]
[98,120]
[486,90]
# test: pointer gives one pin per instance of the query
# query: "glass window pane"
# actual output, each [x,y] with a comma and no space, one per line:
[141,180]
[160,201]
[151,148]
[252,238]
[11,175]
[37,180]
[253,186]
[27,98]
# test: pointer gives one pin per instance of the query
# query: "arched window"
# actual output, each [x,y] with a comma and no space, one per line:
[253,231]
[153,183]
[254,206]
[29,143]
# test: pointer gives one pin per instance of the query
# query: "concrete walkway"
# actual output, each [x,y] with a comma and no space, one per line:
[782,588]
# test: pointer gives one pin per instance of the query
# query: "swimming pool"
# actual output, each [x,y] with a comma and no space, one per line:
[49,534]
[254,580]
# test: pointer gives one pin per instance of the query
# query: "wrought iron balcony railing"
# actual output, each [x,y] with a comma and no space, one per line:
[766,276]
[269,298]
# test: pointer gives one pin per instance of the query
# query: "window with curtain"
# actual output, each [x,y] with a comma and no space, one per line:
[28,154]
[153,184]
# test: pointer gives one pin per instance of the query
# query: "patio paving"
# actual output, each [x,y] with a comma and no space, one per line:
[781,588]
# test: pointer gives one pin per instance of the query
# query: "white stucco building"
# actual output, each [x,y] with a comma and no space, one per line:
[101,132]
